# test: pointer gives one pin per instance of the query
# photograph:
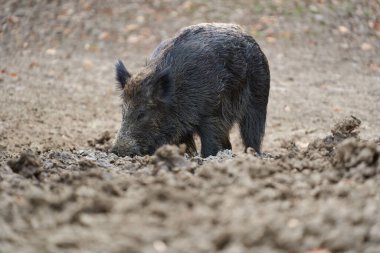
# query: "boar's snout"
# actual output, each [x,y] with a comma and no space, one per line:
[125,152]
[125,148]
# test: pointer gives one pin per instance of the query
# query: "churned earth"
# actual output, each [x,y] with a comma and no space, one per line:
[315,190]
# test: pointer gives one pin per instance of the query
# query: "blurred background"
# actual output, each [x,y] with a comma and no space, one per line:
[57,85]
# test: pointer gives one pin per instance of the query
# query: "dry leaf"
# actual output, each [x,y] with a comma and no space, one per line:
[131,27]
[87,64]
[271,39]
[374,66]
[366,46]
[51,51]
[13,19]
[292,223]
[319,251]
[104,36]
[375,25]
[343,29]
[133,39]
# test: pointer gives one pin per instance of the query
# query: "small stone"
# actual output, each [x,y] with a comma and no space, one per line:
[159,246]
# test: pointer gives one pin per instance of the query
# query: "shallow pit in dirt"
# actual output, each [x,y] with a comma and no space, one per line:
[323,198]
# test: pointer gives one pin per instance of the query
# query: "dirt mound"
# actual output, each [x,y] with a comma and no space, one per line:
[321,199]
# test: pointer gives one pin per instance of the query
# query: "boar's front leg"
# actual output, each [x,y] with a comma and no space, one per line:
[226,142]
[190,144]
[213,137]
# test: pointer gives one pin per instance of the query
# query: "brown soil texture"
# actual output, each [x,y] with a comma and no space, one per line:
[315,189]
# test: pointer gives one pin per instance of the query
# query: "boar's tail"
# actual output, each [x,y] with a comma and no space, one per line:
[252,124]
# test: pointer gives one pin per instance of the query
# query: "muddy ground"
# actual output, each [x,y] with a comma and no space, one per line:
[316,190]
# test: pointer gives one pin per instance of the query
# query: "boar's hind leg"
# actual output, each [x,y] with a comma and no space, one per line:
[213,138]
[252,124]
[252,128]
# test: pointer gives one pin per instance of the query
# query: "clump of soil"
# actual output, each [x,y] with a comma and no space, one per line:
[359,159]
[28,165]
[346,128]
[102,143]
[171,158]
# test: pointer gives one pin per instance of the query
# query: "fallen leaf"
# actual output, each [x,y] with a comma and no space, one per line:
[286,35]
[133,39]
[87,64]
[268,20]
[292,223]
[51,51]
[374,66]
[104,36]
[319,251]
[91,47]
[366,46]
[140,19]
[33,65]
[343,29]
[13,19]
[375,25]
[131,27]
[271,39]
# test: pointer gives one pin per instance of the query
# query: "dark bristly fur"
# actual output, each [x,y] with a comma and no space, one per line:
[200,82]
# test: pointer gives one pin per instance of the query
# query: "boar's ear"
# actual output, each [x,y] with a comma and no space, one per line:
[122,74]
[164,87]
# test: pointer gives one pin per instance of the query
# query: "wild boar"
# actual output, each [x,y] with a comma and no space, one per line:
[202,81]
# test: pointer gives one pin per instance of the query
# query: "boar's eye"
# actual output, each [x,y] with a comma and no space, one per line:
[141,115]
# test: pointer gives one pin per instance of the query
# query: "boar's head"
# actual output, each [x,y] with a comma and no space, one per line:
[147,110]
